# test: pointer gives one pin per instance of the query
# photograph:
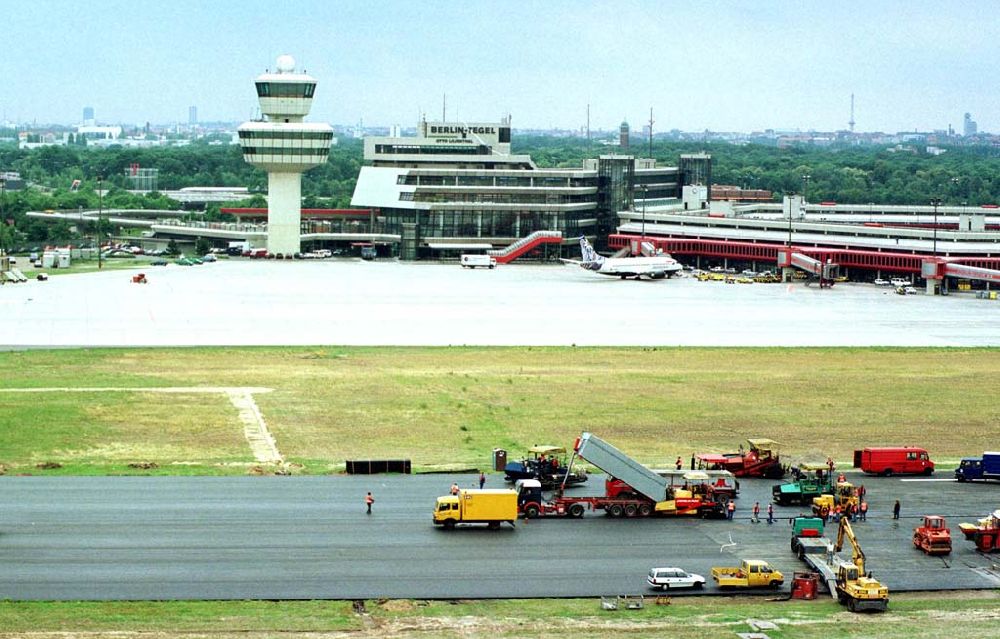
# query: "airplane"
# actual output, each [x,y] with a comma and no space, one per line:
[656,267]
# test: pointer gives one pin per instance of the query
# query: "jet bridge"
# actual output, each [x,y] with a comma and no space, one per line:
[826,272]
[936,269]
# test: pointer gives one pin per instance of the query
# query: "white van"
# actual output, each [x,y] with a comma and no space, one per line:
[472,261]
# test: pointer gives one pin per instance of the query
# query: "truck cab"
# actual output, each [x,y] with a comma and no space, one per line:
[970,468]
[985,467]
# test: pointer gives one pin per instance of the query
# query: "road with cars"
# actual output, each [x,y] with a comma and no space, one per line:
[93,538]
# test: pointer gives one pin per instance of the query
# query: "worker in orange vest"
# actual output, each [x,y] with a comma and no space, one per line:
[755,518]
[679,463]
[369,500]
[863,511]
[454,489]
[730,509]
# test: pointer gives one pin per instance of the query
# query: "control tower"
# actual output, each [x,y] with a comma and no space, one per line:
[285,146]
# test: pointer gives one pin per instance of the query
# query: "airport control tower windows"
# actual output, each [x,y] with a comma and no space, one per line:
[285,89]
[504,135]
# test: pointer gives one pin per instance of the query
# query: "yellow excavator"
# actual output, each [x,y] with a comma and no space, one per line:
[855,588]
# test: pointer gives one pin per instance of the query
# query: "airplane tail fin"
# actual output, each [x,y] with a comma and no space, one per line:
[590,256]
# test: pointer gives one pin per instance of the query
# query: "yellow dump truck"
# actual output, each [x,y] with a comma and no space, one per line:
[490,507]
[751,573]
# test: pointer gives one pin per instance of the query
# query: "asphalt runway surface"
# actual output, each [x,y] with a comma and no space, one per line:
[153,538]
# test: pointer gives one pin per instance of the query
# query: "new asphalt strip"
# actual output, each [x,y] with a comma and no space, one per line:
[153,538]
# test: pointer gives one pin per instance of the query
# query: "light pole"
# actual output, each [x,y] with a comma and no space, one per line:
[790,196]
[805,186]
[644,190]
[100,217]
[3,185]
[935,202]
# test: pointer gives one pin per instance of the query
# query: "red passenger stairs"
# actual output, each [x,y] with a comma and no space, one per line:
[525,244]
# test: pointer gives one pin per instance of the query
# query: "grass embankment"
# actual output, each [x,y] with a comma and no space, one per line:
[910,617]
[84,266]
[449,407]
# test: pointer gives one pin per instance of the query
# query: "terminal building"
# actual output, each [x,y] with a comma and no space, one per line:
[458,186]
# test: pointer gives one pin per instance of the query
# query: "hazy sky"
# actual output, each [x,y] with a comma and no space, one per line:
[912,64]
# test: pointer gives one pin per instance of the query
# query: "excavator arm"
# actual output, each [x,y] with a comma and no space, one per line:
[857,555]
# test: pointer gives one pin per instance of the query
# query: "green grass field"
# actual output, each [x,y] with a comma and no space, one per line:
[910,617]
[449,407]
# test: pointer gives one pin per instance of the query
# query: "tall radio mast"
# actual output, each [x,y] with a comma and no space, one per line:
[851,122]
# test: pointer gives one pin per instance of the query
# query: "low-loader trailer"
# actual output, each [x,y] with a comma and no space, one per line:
[846,580]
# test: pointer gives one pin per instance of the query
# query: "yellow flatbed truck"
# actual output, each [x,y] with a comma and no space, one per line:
[751,573]
[490,507]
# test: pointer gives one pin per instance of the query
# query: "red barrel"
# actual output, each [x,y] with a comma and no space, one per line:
[805,585]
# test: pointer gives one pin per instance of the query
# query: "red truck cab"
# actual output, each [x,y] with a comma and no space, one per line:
[894,460]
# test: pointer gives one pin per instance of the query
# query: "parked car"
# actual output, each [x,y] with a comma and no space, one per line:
[209,257]
[158,262]
[667,578]
[881,282]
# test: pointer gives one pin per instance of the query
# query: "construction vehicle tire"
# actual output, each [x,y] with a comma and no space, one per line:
[630,510]
[531,512]
[576,510]
[614,510]
[645,510]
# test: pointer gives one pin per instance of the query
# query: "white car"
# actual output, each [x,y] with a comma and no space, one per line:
[881,282]
[666,578]
[899,281]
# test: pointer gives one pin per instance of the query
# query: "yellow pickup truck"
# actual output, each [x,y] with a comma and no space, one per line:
[751,573]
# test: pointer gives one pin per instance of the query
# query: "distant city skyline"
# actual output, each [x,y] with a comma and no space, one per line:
[721,66]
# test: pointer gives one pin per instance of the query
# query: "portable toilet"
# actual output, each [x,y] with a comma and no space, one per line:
[49,259]
[64,258]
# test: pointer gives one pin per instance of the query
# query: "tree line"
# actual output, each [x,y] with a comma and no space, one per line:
[847,174]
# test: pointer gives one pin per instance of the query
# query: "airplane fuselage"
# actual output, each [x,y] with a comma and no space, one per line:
[654,267]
